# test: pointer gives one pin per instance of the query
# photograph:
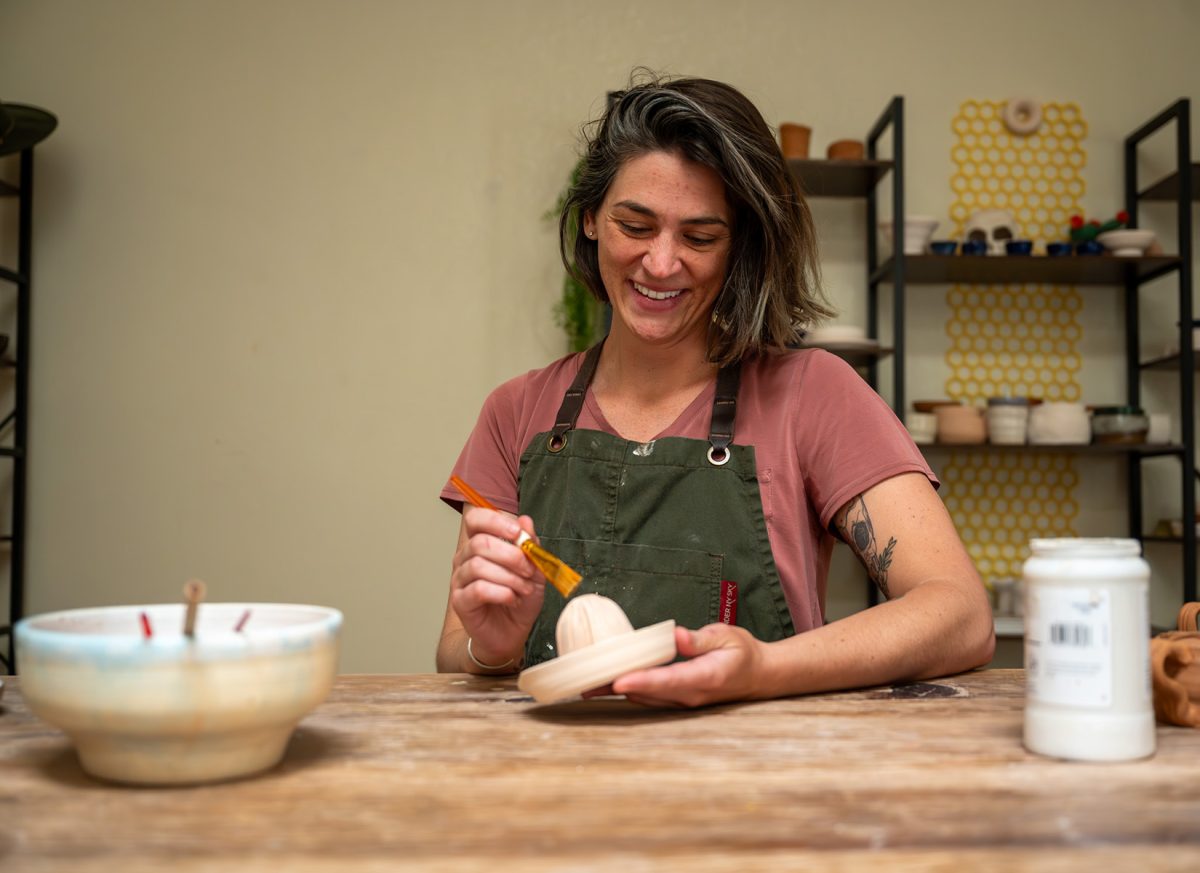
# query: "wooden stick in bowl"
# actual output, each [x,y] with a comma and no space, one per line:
[193,593]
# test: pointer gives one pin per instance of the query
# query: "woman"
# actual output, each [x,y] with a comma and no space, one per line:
[691,466]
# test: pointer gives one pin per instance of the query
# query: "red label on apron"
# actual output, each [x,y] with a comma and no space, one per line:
[728,609]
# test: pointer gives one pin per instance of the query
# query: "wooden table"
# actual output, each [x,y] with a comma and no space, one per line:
[450,773]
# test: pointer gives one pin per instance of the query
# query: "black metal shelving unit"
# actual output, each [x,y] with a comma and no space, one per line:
[862,179]
[1180,187]
[16,452]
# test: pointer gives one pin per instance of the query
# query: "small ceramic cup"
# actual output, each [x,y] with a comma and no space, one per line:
[922,426]
[1007,420]
[793,139]
[845,150]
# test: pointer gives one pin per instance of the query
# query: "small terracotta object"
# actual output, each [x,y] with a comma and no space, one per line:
[596,644]
[845,150]
[960,425]
[1175,667]
[931,405]
[793,139]
[1187,617]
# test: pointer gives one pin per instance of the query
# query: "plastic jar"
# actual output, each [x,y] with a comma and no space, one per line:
[1087,650]
[1119,425]
[1007,420]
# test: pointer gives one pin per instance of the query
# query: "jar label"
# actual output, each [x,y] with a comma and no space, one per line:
[1068,646]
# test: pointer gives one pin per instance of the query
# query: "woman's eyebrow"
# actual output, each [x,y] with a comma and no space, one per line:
[634,206]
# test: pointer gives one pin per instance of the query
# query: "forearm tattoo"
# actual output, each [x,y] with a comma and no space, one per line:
[858,532]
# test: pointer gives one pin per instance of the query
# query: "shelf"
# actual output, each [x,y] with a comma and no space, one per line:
[855,357]
[1144,450]
[1068,270]
[1009,625]
[7,190]
[9,276]
[1168,362]
[1167,188]
[819,178]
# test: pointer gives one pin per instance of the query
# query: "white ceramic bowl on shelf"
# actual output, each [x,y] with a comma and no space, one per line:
[1127,242]
[172,710]
[918,230]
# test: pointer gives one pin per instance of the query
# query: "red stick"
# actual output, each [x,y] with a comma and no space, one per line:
[237,628]
[147,631]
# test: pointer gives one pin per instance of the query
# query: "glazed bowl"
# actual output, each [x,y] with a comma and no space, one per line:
[1089,247]
[1127,242]
[943,246]
[974,247]
[1058,249]
[1019,247]
[170,709]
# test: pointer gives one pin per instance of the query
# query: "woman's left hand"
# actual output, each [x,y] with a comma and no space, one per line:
[725,662]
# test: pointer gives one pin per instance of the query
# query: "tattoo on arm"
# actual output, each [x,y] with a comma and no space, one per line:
[855,524]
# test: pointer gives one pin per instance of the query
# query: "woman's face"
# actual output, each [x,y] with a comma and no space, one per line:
[663,234]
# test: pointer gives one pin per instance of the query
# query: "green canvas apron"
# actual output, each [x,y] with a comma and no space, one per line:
[673,528]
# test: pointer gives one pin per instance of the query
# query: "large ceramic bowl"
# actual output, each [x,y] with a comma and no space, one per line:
[170,709]
[1128,242]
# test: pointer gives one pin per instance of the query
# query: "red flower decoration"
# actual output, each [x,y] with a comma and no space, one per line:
[1123,217]
[1076,222]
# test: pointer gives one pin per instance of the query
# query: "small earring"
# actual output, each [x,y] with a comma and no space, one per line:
[591,234]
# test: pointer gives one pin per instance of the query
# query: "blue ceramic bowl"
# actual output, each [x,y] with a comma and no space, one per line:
[1058,249]
[1019,247]
[1088,247]
[974,247]
[943,246]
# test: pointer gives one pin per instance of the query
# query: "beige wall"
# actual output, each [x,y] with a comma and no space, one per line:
[285,248]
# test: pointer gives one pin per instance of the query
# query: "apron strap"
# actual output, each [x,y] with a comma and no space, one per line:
[724,411]
[572,402]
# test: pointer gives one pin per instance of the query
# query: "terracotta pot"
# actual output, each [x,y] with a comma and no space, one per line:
[960,425]
[845,150]
[793,139]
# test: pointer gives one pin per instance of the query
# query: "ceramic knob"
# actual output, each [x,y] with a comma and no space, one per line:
[588,619]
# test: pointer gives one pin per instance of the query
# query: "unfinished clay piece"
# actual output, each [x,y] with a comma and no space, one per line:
[596,644]
[1175,668]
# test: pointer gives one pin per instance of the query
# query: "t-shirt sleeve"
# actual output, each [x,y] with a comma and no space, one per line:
[851,440]
[490,460]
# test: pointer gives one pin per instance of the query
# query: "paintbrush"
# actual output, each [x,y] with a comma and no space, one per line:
[556,572]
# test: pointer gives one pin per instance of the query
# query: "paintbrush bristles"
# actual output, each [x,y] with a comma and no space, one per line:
[558,574]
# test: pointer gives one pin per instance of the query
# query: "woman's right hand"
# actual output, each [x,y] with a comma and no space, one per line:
[495,590]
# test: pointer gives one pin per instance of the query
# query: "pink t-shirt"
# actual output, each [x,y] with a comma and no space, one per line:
[821,437]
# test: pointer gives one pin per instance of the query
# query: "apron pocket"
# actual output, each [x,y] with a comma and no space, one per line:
[651,584]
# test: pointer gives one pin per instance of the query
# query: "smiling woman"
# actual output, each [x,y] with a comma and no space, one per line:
[691,466]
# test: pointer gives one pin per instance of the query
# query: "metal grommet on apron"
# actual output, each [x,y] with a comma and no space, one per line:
[670,529]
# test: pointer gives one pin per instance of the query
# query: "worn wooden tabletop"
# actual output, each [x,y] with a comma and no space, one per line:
[452,773]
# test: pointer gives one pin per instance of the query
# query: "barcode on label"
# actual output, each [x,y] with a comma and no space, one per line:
[1063,634]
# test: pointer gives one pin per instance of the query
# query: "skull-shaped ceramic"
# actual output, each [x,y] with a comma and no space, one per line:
[992,226]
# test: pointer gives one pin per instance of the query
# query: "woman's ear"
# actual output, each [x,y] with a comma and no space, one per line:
[589,225]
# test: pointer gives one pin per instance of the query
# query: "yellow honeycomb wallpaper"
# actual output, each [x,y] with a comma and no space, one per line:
[1018,340]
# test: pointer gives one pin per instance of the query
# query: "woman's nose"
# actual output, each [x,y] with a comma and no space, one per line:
[661,258]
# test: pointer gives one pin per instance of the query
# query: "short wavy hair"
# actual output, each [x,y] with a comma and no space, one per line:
[772,287]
